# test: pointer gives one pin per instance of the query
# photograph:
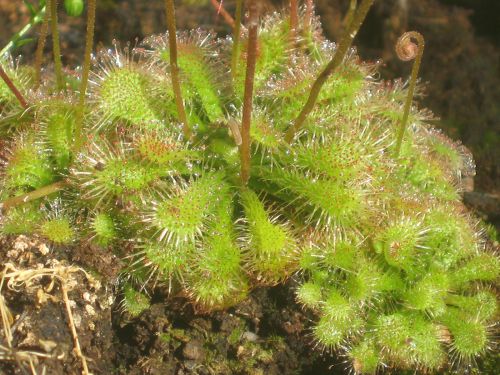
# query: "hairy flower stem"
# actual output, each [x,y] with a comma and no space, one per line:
[44,30]
[350,13]
[89,43]
[56,48]
[248,94]
[343,47]
[294,19]
[223,12]
[31,196]
[235,54]
[13,88]
[176,85]
[308,15]
[407,51]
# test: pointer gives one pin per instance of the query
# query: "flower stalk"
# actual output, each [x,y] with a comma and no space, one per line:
[407,50]
[224,13]
[89,43]
[42,39]
[13,88]
[344,45]
[56,48]
[235,53]
[176,86]
[248,94]
[31,196]
[294,19]
[34,20]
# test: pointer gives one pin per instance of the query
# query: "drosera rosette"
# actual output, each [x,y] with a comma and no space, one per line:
[59,225]
[456,160]
[103,228]
[134,302]
[166,148]
[109,170]
[400,242]
[21,220]
[271,248]
[55,116]
[206,168]
[152,263]
[21,76]
[125,87]
[27,165]
[274,48]
[204,83]
[339,319]
[284,92]
[181,213]
[217,278]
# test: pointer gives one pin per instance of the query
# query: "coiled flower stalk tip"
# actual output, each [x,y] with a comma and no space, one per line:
[410,46]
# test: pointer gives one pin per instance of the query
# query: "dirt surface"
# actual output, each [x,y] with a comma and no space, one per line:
[33,277]
[266,334]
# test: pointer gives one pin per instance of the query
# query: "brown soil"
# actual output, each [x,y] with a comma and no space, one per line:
[266,334]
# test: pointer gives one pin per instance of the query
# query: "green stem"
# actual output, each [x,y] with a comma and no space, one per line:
[31,196]
[33,21]
[12,42]
[407,50]
[89,43]
[235,54]
[13,88]
[56,44]
[248,94]
[343,48]
[44,30]
[176,86]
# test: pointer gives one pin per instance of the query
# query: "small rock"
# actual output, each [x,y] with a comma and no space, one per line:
[47,345]
[240,351]
[250,336]
[86,296]
[77,319]
[190,365]
[90,310]
[21,243]
[43,249]
[193,350]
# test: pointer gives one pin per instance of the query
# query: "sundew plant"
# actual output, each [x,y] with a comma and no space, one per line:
[214,166]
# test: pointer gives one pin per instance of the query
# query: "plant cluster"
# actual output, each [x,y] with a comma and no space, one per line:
[368,222]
